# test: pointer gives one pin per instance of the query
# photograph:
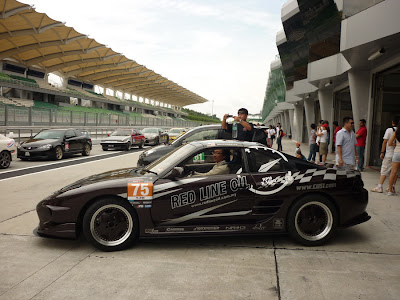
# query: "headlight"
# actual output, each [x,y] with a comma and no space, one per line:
[47,146]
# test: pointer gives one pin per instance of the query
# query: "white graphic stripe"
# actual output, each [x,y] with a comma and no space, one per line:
[164,186]
[165,193]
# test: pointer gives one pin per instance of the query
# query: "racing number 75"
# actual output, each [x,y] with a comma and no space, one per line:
[139,191]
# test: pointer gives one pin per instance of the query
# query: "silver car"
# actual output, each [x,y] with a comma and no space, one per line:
[155,136]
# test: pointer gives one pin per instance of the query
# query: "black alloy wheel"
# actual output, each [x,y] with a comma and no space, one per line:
[5,159]
[141,144]
[111,224]
[312,220]
[128,146]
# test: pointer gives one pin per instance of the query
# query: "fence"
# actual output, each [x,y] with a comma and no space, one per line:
[23,116]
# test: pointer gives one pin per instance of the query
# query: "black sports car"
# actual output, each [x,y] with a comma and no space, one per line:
[254,190]
[54,144]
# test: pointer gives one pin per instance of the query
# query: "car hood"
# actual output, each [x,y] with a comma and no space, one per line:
[116,138]
[106,176]
[158,149]
[39,142]
[150,135]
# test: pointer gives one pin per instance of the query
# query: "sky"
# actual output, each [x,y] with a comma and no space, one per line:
[218,49]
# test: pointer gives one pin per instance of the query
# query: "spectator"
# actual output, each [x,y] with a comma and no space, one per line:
[361,136]
[394,141]
[241,129]
[386,156]
[312,143]
[346,145]
[323,144]
[279,136]
[299,155]
[270,136]
[297,148]
[317,140]
[336,128]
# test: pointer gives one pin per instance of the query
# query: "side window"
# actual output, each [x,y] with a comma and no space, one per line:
[211,134]
[264,161]
[70,134]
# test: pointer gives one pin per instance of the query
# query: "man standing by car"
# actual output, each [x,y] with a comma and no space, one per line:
[361,136]
[241,129]
[346,145]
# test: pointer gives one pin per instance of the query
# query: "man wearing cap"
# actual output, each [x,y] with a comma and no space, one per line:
[241,129]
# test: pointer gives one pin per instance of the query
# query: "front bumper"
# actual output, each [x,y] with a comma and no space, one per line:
[114,145]
[36,153]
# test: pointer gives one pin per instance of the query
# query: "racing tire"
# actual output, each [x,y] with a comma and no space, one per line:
[86,150]
[128,146]
[5,159]
[312,220]
[58,153]
[111,224]
[105,148]
[156,142]
[141,144]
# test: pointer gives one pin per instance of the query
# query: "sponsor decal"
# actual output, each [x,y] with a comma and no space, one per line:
[140,189]
[206,228]
[235,227]
[209,193]
[259,227]
[10,144]
[280,182]
[199,158]
[150,230]
[278,223]
[66,146]
[316,186]
[174,229]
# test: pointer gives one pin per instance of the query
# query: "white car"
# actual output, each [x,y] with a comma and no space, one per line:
[8,151]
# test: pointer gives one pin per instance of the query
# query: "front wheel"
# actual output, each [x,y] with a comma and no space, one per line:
[86,150]
[5,159]
[312,220]
[141,144]
[128,146]
[58,153]
[111,224]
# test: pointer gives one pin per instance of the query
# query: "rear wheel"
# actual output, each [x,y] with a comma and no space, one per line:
[111,224]
[58,153]
[312,220]
[86,150]
[5,159]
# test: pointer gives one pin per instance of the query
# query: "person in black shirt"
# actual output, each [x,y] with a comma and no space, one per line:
[241,129]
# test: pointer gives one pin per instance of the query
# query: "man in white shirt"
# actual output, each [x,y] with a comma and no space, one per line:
[323,143]
[270,136]
[220,157]
[386,156]
[346,146]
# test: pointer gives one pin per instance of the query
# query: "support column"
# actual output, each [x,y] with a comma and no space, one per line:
[291,120]
[326,104]
[310,113]
[360,83]
[298,122]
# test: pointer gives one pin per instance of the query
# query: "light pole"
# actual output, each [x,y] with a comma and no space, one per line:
[212,108]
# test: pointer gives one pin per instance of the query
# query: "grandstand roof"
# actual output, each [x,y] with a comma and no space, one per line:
[34,39]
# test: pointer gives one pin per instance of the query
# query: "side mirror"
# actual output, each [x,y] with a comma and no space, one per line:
[176,172]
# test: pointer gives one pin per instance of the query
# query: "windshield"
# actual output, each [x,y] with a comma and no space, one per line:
[150,130]
[121,133]
[49,134]
[170,160]
[176,130]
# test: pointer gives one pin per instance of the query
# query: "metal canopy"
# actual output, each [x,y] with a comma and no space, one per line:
[34,39]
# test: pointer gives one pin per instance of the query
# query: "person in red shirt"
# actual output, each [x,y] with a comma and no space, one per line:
[361,136]
[336,127]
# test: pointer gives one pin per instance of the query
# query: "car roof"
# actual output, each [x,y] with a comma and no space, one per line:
[226,143]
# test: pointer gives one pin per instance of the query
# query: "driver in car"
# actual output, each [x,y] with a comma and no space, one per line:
[220,156]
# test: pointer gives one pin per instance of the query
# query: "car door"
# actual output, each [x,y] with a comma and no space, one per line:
[72,142]
[272,176]
[200,200]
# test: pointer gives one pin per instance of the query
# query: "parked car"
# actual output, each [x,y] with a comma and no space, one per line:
[8,151]
[155,136]
[55,144]
[200,133]
[123,139]
[260,191]
[174,133]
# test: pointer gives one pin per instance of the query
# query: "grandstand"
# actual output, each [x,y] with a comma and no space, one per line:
[32,45]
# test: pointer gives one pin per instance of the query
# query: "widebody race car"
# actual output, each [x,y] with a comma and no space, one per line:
[256,190]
